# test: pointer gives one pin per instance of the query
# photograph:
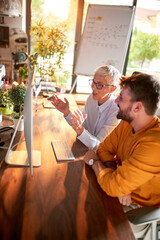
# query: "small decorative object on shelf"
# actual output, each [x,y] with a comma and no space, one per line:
[23,74]
[6,105]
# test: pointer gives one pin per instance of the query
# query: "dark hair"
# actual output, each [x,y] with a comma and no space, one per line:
[135,73]
[144,88]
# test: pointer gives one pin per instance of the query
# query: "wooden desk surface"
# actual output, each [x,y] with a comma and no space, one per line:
[62,201]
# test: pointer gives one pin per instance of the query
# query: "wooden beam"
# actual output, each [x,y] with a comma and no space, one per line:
[77,38]
[28,22]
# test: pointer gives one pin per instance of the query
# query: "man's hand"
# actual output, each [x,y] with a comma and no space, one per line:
[125,200]
[90,154]
[98,165]
[62,106]
[77,120]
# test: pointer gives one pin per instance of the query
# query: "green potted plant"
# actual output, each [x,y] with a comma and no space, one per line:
[6,105]
[17,96]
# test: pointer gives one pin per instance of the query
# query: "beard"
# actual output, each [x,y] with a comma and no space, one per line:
[125,114]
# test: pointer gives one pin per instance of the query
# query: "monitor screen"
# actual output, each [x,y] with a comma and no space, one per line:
[28,119]
[29,157]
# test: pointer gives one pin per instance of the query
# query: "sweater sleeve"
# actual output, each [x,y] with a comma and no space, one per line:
[138,169]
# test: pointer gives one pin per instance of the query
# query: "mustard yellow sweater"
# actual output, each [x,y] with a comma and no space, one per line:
[138,171]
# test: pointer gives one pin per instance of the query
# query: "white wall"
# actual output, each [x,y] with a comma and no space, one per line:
[10,22]
[5,53]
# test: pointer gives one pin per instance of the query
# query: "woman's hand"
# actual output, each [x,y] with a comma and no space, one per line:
[77,120]
[62,106]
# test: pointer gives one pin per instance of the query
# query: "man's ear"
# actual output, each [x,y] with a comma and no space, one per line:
[138,106]
[113,88]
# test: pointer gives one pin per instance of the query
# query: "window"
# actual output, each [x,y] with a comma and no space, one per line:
[147,20]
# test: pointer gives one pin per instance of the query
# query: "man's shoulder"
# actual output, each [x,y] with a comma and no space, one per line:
[154,130]
[157,121]
[124,124]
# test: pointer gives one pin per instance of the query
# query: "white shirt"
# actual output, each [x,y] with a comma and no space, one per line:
[100,121]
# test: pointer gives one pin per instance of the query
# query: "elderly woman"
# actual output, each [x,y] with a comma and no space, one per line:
[99,116]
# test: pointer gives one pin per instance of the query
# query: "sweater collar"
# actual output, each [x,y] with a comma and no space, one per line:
[148,126]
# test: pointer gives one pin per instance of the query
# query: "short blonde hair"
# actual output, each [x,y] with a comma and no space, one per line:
[110,73]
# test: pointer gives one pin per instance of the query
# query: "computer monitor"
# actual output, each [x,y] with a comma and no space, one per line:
[29,157]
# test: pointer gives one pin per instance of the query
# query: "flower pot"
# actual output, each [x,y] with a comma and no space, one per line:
[16,108]
[60,90]
[7,110]
[21,124]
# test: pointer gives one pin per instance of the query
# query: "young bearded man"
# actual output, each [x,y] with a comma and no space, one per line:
[132,149]
[127,162]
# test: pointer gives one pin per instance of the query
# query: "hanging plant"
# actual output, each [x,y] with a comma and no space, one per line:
[50,44]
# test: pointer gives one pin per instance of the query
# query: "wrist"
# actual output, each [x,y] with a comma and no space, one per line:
[91,162]
[79,130]
[66,113]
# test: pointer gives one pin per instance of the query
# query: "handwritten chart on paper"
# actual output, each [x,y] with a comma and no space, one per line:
[105,38]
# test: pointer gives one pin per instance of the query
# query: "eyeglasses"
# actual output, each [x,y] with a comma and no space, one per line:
[99,86]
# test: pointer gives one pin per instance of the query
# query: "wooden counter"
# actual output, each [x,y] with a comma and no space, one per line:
[62,201]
